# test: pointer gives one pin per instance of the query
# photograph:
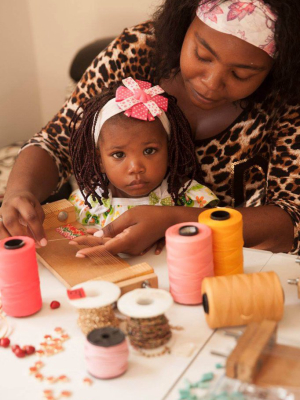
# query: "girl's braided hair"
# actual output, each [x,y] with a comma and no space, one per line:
[173,18]
[182,159]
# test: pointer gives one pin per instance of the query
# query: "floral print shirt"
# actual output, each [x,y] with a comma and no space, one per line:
[197,195]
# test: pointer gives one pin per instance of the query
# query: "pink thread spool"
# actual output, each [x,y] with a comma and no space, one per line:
[106,353]
[19,278]
[190,260]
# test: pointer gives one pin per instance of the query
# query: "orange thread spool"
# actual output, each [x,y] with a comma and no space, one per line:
[241,299]
[227,235]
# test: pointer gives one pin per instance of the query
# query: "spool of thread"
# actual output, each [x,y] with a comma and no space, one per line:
[241,299]
[190,260]
[227,235]
[106,353]
[19,278]
[96,308]
[147,327]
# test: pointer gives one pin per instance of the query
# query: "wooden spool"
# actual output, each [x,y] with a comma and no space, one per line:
[59,257]
[258,359]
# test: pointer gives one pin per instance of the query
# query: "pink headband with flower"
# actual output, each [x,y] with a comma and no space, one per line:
[137,99]
[252,21]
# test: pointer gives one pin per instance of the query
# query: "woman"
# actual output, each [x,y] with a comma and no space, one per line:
[233,66]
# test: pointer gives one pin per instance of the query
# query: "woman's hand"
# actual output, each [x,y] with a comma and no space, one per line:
[22,215]
[134,232]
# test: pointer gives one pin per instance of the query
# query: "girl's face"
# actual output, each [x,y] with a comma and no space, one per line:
[218,68]
[133,155]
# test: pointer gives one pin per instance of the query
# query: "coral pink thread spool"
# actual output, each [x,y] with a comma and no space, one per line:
[106,353]
[190,260]
[19,278]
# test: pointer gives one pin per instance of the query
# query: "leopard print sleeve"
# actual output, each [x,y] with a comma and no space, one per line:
[284,168]
[127,55]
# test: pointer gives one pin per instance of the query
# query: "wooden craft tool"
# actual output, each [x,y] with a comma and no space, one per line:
[59,257]
[295,282]
[258,359]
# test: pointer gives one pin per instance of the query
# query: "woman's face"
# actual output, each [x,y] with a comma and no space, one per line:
[218,68]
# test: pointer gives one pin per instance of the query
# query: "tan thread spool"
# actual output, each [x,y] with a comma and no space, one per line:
[240,299]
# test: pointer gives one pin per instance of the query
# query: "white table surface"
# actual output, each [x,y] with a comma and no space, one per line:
[154,378]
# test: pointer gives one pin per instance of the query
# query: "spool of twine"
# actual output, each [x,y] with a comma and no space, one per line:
[241,299]
[19,278]
[106,353]
[227,236]
[190,260]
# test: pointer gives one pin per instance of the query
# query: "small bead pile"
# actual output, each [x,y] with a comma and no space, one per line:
[203,383]
[52,345]
[48,394]
[35,370]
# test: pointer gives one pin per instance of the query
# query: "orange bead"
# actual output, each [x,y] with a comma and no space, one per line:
[58,329]
[65,393]
[33,370]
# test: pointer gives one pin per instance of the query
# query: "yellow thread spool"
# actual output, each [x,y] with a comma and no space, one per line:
[240,299]
[227,234]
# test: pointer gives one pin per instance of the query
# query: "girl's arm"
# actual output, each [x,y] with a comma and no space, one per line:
[265,227]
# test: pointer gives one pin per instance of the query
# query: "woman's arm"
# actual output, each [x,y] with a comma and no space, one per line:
[35,175]
[32,180]
[265,227]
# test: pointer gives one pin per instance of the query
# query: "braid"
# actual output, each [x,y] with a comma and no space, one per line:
[181,153]
[83,152]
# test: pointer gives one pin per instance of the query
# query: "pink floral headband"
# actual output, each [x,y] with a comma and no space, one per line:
[251,20]
[137,99]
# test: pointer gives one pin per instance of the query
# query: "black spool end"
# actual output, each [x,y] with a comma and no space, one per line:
[220,215]
[106,337]
[188,230]
[14,244]
[205,303]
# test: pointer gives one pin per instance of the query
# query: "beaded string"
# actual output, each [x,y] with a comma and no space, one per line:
[92,318]
[149,333]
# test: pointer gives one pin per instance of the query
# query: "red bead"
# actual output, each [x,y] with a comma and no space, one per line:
[20,353]
[4,342]
[54,304]
[15,347]
[29,350]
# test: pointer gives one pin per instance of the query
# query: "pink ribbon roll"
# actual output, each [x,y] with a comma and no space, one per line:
[190,260]
[106,353]
[19,278]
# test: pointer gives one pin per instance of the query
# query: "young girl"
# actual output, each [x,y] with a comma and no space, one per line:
[133,147]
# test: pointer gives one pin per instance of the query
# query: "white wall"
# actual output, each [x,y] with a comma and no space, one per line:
[38,40]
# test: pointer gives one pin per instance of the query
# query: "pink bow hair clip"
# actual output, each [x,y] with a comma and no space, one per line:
[139,100]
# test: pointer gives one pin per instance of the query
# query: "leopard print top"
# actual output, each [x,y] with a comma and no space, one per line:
[248,164]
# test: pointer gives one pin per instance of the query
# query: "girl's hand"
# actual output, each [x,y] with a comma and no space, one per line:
[22,215]
[133,232]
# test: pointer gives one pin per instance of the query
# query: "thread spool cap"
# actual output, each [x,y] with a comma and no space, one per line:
[14,244]
[106,337]
[145,303]
[98,294]
[205,303]
[220,215]
[188,230]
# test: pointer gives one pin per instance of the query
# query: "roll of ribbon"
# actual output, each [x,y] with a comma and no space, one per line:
[95,307]
[19,278]
[240,299]
[227,233]
[190,260]
[106,353]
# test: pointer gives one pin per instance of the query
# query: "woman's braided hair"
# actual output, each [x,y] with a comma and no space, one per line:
[182,159]
[173,18]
